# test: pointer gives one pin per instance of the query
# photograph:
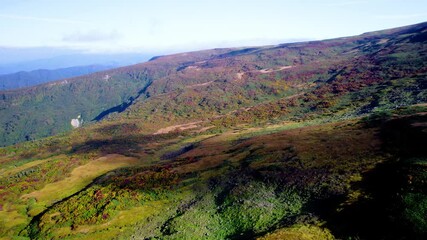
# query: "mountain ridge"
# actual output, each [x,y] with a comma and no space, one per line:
[314,61]
[69,59]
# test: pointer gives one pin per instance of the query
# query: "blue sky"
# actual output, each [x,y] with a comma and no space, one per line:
[166,25]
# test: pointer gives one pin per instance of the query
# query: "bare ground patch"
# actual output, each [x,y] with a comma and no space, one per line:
[180,127]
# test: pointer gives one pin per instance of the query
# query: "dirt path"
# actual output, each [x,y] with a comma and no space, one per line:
[268,70]
[179,127]
[200,84]
[239,75]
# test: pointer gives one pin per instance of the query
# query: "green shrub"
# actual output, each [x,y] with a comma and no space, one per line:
[257,207]
[416,210]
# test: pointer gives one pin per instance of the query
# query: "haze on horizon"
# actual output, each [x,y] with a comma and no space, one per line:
[173,26]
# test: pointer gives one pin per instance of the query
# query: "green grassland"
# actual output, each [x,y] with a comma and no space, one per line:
[306,180]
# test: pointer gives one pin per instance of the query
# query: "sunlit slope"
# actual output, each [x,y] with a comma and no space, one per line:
[346,76]
[292,179]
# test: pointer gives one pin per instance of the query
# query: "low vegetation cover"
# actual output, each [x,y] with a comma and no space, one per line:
[277,142]
[345,179]
[342,77]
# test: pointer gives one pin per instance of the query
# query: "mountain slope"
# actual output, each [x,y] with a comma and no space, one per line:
[355,74]
[324,76]
[316,140]
[348,179]
[28,79]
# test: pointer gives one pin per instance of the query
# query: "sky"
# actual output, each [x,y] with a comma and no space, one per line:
[185,25]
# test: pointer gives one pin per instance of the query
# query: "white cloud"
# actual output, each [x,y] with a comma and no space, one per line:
[91,36]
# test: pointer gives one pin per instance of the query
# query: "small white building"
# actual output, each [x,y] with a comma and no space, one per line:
[77,122]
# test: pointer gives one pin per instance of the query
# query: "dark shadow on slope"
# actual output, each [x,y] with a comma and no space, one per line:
[376,215]
[378,212]
[123,146]
[117,109]
[123,138]
[177,153]
[123,106]
[128,146]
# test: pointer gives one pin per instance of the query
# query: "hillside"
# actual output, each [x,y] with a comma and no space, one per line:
[362,178]
[313,140]
[341,77]
[28,79]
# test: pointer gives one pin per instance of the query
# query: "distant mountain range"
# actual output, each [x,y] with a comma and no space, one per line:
[35,77]
[35,60]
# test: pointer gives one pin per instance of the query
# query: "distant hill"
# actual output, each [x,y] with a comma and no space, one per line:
[27,79]
[66,60]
